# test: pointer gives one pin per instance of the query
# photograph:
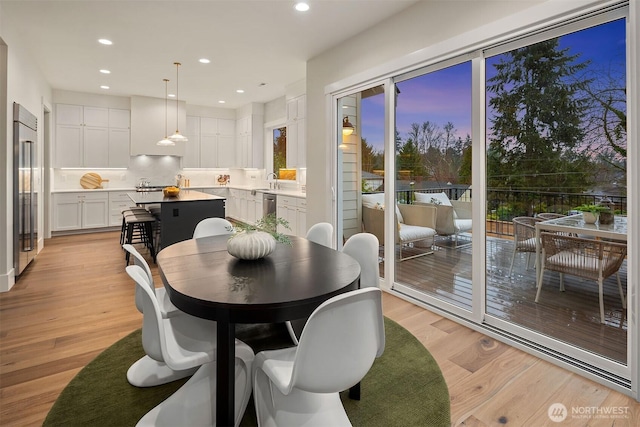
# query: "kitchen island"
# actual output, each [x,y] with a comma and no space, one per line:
[179,215]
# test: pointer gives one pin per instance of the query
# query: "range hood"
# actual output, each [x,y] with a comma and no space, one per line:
[148,126]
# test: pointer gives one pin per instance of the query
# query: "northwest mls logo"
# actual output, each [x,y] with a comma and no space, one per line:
[557,412]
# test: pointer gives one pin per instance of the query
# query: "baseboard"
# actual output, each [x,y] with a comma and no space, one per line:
[7,281]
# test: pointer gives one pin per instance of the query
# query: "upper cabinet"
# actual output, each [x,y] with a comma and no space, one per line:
[148,126]
[296,132]
[87,136]
[250,136]
[212,143]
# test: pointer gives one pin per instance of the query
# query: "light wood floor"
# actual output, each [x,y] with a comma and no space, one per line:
[76,300]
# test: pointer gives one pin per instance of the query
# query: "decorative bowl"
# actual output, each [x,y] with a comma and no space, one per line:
[250,245]
[171,191]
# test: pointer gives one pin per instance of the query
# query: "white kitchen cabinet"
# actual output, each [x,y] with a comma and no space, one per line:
[296,132]
[118,201]
[251,207]
[233,203]
[84,137]
[119,138]
[244,205]
[73,211]
[191,157]
[217,143]
[301,217]
[69,150]
[250,141]
[294,211]
[96,147]
[259,213]
[211,143]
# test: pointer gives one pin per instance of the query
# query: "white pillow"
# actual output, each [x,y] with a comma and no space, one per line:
[376,201]
[371,200]
[435,198]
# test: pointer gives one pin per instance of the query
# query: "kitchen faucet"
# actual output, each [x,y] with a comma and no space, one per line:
[275,185]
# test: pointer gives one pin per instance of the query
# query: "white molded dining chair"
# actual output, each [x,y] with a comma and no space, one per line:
[300,385]
[363,247]
[146,371]
[321,233]
[167,309]
[185,342]
[212,227]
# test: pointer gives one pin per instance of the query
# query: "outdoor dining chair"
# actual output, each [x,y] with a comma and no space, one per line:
[524,238]
[586,258]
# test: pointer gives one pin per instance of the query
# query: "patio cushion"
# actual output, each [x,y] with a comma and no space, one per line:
[376,201]
[410,233]
[435,198]
[529,243]
[462,225]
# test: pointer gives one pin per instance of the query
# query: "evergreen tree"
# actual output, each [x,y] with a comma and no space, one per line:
[537,127]
[409,160]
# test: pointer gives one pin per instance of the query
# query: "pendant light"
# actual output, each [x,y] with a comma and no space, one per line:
[177,137]
[165,142]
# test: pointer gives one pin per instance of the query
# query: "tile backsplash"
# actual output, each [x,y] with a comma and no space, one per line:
[162,170]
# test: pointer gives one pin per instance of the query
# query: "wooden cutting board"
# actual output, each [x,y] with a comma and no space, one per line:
[91,181]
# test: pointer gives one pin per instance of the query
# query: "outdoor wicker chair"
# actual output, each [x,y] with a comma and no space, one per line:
[524,238]
[586,258]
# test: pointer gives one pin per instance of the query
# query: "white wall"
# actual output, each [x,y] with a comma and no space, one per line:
[392,44]
[25,85]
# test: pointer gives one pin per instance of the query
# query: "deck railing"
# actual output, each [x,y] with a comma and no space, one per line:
[504,205]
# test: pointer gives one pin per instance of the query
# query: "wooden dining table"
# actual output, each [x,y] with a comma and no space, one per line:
[204,280]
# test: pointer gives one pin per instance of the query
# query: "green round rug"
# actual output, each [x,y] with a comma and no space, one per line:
[405,386]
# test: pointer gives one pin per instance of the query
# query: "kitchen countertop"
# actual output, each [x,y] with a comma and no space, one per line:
[148,197]
[258,189]
[92,190]
[283,192]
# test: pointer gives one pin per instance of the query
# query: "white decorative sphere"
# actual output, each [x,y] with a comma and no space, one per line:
[251,245]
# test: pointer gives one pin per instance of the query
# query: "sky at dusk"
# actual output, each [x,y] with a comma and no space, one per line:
[445,95]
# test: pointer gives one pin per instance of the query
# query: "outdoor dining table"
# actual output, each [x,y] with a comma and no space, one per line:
[575,224]
[204,280]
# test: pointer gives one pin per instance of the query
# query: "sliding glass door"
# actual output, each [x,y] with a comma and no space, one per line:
[464,167]
[361,170]
[433,184]
[556,143]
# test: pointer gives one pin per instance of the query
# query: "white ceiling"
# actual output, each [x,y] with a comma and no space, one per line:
[248,43]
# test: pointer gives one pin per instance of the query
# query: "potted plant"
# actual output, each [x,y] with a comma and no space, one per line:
[591,212]
[255,241]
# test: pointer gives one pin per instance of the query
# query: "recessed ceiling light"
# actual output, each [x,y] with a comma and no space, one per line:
[105,41]
[172,95]
[203,60]
[240,91]
[104,87]
[221,102]
[105,71]
[302,6]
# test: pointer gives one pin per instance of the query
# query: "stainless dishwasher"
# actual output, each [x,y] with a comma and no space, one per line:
[269,203]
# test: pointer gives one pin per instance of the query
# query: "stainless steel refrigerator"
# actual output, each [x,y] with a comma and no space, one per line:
[25,195]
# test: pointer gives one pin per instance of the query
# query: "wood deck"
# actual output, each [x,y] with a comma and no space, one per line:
[571,316]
